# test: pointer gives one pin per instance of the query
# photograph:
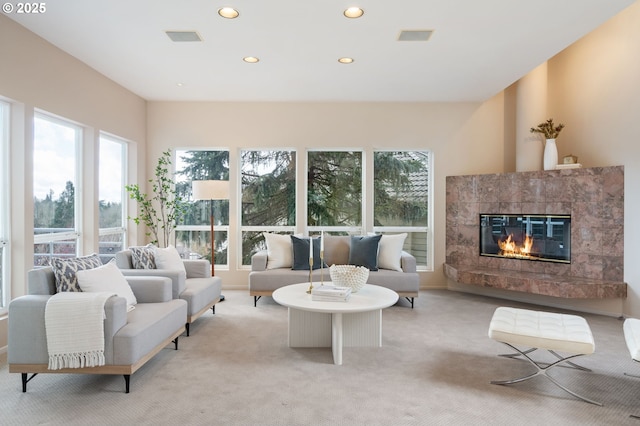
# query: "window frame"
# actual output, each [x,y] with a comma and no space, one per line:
[348,229]
[279,229]
[202,228]
[428,228]
[55,237]
[120,230]
[5,196]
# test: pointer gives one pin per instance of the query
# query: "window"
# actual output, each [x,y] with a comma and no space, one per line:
[334,191]
[193,233]
[4,206]
[55,171]
[401,186]
[268,197]
[111,204]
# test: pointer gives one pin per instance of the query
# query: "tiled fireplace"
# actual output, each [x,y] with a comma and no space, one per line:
[576,215]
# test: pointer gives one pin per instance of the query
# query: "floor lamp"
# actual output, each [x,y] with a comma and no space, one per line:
[211,190]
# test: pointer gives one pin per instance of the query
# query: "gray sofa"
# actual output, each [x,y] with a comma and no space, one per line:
[130,338]
[263,281]
[198,288]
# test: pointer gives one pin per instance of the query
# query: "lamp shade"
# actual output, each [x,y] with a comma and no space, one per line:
[210,189]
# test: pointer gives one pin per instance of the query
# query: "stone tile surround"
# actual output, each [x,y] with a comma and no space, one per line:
[594,197]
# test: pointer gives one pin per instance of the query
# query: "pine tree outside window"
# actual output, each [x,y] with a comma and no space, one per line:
[268,197]
[334,192]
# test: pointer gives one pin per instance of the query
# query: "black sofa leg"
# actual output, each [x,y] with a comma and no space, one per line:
[255,300]
[127,379]
[26,379]
[186,326]
[410,299]
[213,309]
[175,342]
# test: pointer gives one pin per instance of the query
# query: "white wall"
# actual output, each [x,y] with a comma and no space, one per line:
[464,138]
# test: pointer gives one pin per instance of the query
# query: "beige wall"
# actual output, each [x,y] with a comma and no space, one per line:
[594,89]
[464,138]
[36,75]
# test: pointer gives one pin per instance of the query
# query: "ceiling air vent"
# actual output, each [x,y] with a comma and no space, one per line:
[415,35]
[183,35]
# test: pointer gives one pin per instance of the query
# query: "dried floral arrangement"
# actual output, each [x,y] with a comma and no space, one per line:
[548,129]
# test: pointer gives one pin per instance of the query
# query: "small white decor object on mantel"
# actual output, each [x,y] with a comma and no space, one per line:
[550,161]
[351,276]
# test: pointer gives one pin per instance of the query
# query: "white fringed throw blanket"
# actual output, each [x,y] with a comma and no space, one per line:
[75,330]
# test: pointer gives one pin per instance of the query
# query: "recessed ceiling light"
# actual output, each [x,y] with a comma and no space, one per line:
[228,12]
[353,12]
[345,60]
[251,59]
[180,84]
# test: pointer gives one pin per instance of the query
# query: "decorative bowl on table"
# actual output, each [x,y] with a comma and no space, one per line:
[349,276]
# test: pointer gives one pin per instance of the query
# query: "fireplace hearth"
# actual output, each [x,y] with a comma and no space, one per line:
[545,238]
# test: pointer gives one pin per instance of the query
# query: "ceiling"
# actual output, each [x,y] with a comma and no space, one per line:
[477,48]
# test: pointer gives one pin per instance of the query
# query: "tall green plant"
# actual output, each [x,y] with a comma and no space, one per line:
[161,211]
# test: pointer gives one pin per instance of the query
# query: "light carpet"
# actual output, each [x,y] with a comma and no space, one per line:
[434,369]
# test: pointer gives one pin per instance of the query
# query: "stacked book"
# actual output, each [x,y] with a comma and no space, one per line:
[330,293]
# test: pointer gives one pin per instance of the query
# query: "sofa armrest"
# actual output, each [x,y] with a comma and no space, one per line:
[151,289]
[177,277]
[27,338]
[197,268]
[259,261]
[407,262]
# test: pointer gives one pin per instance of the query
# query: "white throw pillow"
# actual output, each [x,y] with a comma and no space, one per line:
[390,251]
[279,250]
[169,258]
[107,278]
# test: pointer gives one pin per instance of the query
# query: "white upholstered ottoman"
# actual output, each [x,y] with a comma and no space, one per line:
[542,330]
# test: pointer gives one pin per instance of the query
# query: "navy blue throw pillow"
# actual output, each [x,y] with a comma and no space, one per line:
[364,251]
[301,253]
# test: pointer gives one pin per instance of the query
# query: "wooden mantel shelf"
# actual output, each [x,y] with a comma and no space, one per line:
[536,283]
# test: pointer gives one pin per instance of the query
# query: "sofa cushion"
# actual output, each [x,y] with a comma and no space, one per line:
[168,258]
[301,253]
[364,251]
[65,270]
[279,250]
[107,278]
[143,257]
[336,249]
[390,251]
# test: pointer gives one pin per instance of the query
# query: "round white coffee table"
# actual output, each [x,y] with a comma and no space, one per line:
[357,322]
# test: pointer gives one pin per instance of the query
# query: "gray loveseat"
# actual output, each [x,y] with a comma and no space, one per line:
[263,281]
[130,338]
[197,287]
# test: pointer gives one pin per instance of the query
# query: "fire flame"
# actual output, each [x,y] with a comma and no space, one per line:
[509,248]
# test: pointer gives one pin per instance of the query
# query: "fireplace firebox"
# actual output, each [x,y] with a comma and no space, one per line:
[544,238]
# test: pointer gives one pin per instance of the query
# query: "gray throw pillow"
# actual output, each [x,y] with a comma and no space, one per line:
[64,270]
[143,257]
[301,253]
[364,251]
